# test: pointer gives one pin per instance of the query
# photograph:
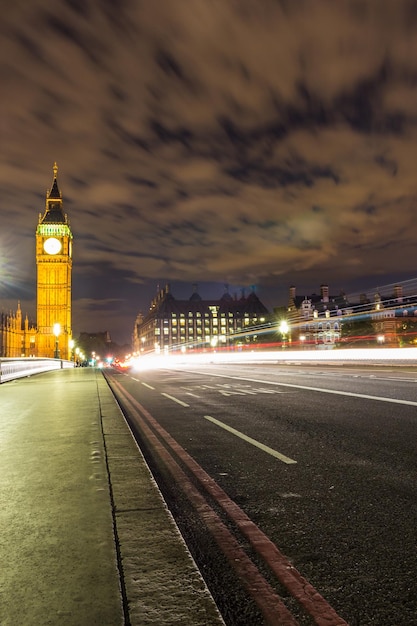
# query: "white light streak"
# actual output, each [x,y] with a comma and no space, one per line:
[358,355]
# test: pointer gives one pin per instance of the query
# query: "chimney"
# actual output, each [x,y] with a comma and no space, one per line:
[398,293]
[324,290]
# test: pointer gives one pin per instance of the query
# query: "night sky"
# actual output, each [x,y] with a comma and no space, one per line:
[244,142]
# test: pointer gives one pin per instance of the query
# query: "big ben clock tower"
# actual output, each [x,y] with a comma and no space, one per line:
[54,265]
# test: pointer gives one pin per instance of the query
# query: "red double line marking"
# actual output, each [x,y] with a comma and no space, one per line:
[271,605]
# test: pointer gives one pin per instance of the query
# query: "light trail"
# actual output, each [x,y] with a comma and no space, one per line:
[358,355]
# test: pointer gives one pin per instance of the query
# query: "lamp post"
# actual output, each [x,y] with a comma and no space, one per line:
[71,345]
[283,329]
[57,331]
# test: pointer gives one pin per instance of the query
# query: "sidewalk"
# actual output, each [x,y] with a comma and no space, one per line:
[85,537]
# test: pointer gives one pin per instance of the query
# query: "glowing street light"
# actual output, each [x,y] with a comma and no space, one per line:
[71,345]
[283,329]
[57,332]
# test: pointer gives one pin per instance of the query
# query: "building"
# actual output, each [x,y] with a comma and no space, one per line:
[322,320]
[17,336]
[394,318]
[315,320]
[52,335]
[177,325]
[54,269]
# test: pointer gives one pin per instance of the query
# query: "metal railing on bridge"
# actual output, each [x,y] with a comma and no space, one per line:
[18,368]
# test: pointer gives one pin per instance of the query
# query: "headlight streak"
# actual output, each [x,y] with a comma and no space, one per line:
[385,356]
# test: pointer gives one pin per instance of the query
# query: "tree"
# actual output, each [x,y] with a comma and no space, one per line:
[358,331]
[407,332]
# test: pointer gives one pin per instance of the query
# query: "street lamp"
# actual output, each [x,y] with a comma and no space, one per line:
[56,331]
[71,345]
[283,329]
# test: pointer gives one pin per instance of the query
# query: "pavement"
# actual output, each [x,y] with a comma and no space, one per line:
[85,535]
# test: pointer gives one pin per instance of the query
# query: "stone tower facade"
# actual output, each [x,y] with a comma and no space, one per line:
[54,271]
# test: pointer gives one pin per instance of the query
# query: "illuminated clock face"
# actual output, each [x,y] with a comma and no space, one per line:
[52,245]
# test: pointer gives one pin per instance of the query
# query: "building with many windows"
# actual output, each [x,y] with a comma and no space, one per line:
[322,320]
[315,320]
[178,325]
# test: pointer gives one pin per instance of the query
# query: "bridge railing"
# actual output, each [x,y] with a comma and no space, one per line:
[17,368]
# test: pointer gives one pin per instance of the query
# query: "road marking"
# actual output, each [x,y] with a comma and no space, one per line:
[194,395]
[333,391]
[148,386]
[175,399]
[258,444]
[392,378]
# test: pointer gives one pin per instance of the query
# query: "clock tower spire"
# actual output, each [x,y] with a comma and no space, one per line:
[54,268]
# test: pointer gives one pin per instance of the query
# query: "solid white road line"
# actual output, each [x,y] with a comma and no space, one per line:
[258,444]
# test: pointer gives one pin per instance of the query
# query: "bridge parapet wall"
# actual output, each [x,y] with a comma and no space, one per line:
[17,368]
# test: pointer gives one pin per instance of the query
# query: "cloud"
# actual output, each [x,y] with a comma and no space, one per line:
[229,141]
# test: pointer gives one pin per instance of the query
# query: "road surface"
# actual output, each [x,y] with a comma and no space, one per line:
[317,464]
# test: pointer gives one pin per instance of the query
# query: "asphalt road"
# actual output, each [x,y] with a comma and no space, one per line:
[321,459]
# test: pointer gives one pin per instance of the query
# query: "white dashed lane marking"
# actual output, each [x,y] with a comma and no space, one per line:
[258,444]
